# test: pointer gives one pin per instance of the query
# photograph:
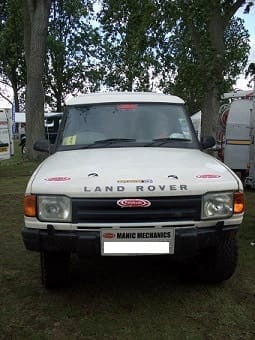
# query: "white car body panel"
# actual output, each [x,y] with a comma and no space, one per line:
[111,97]
[129,172]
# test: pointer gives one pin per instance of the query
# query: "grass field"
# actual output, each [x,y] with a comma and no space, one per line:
[112,298]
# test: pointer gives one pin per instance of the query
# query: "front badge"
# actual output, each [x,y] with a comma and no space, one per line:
[133,203]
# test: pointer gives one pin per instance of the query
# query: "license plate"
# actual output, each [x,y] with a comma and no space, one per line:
[137,242]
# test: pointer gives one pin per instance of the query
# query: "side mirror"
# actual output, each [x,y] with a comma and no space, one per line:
[207,142]
[43,145]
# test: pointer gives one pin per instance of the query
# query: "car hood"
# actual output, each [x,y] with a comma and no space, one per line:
[127,172]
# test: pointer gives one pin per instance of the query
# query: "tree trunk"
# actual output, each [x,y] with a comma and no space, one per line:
[216,28]
[59,107]
[16,97]
[211,100]
[58,95]
[36,14]
[210,109]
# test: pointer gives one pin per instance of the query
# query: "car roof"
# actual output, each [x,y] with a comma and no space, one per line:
[120,97]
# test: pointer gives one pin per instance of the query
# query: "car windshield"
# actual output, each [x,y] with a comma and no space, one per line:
[126,124]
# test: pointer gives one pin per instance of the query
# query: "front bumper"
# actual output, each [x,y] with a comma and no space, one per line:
[188,241]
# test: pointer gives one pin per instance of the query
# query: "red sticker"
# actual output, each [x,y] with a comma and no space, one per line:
[108,235]
[208,176]
[57,179]
[133,203]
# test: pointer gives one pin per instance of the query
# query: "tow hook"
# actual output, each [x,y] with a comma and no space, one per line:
[51,230]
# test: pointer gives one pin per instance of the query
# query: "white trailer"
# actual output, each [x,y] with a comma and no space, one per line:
[6,135]
[237,136]
[234,133]
[250,180]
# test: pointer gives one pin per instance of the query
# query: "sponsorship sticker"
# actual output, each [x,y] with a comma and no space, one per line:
[208,176]
[57,179]
[133,203]
[134,181]
[137,241]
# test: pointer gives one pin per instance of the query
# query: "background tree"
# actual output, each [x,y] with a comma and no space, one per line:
[72,48]
[211,49]
[129,44]
[12,64]
[194,49]
[36,14]
[193,73]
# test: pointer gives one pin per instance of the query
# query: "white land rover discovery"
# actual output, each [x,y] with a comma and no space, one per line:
[127,176]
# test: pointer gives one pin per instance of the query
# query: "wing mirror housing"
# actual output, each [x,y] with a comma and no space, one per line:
[43,145]
[207,142]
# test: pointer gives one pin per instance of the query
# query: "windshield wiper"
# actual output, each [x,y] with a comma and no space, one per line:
[168,139]
[113,140]
[97,143]
[161,141]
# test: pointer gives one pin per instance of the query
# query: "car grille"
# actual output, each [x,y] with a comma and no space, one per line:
[162,209]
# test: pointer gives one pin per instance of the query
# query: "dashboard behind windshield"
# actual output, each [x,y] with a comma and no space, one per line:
[126,124]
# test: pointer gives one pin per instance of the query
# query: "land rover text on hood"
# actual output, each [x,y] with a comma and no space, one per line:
[128,176]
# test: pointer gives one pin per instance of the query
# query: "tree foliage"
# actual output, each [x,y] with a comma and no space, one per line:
[72,48]
[210,49]
[129,44]
[12,65]
[199,66]
[194,49]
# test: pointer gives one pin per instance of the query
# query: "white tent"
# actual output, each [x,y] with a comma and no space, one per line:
[20,117]
[196,120]
[4,104]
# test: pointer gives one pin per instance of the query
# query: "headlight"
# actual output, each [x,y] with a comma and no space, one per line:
[54,208]
[217,205]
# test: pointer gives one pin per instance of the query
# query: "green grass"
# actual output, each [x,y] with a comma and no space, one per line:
[116,298]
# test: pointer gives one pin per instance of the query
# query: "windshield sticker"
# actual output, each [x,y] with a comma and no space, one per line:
[208,176]
[70,140]
[135,181]
[57,179]
[127,106]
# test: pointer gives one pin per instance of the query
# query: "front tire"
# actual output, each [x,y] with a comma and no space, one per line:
[54,269]
[219,263]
